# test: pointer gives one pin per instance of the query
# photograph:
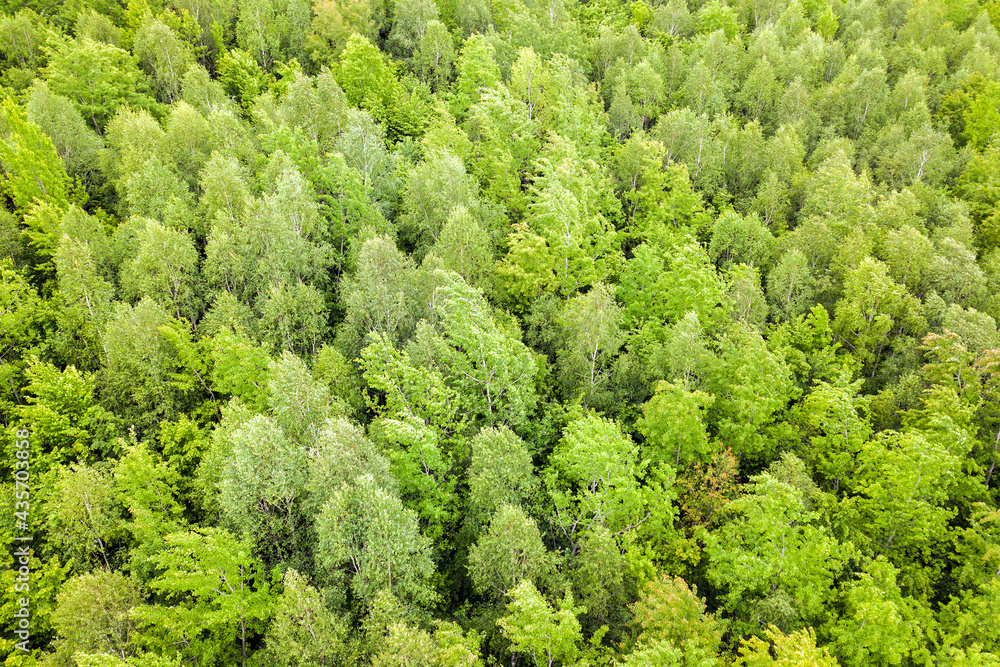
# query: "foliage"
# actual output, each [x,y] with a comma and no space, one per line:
[444,332]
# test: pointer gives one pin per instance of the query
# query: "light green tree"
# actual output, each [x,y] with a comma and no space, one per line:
[670,614]
[304,632]
[592,324]
[594,481]
[367,529]
[508,552]
[75,142]
[84,519]
[673,425]
[501,472]
[796,648]
[164,268]
[98,78]
[93,614]
[164,55]
[262,486]
[32,171]
[752,386]
[481,356]
[775,561]
[551,636]
[568,242]
[217,597]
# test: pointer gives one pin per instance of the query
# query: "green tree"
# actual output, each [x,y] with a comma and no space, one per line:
[84,519]
[673,424]
[140,370]
[500,473]
[304,632]
[149,487]
[370,83]
[272,30]
[508,552]
[481,356]
[476,70]
[222,599]
[663,286]
[165,268]
[551,636]
[435,55]
[670,612]
[377,296]
[463,246]
[164,56]
[22,322]
[293,317]
[568,242]
[872,307]
[795,648]
[32,171]
[593,335]
[342,454]
[434,189]
[836,424]
[874,627]
[736,239]
[409,25]
[752,386]
[79,146]
[900,503]
[262,486]
[333,23]
[366,528]
[594,481]
[774,559]
[98,78]
[93,614]
[67,421]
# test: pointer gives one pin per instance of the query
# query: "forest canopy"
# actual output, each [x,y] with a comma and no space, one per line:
[481,332]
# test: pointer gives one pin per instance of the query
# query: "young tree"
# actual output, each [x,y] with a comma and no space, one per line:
[670,612]
[94,614]
[148,486]
[568,242]
[222,598]
[164,268]
[333,23]
[33,174]
[673,424]
[66,419]
[551,636]
[501,473]
[78,144]
[482,358]
[796,648]
[775,561]
[594,481]
[591,323]
[84,519]
[164,56]
[434,188]
[464,247]
[752,386]
[304,632]
[98,78]
[508,552]
[435,55]
[262,487]
[366,528]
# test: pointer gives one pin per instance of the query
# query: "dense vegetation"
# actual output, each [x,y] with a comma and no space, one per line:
[531,333]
